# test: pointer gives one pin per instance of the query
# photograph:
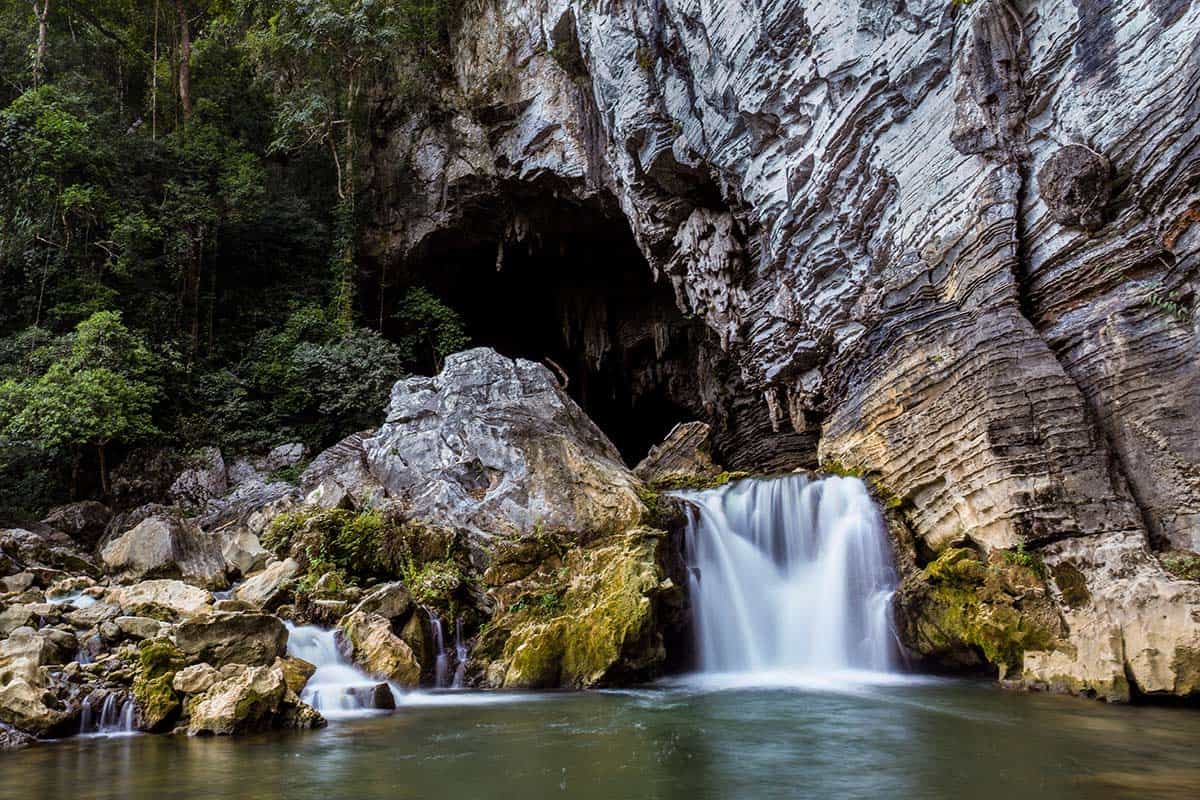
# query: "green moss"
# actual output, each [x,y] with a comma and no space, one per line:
[834,467]
[956,567]
[695,482]
[158,703]
[1030,561]
[662,512]
[583,629]
[348,543]
[645,59]
[436,584]
[973,603]
[1183,565]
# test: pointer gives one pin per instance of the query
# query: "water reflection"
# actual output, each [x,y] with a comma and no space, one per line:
[931,740]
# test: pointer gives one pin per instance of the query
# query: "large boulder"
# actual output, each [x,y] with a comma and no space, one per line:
[166,547]
[27,699]
[249,699]
[269,588]
[1133,628]
[43,550]
[594,618]
[494,446]
[240,518]
[232,638]
[374,646]
[167,599]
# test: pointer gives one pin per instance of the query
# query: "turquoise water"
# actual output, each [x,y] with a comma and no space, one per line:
[922,739]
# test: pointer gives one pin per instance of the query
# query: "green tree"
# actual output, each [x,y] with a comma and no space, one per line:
[430,330]
[100,390]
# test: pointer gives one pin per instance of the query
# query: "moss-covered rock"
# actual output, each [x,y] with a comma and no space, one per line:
[158,703]
[997,608]
[589,620]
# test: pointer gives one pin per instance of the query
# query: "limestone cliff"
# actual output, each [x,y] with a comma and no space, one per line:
[953,244]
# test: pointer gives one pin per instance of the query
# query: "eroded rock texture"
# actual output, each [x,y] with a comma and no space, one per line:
[957,241]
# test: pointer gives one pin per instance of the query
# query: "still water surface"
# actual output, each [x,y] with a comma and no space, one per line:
[897,739]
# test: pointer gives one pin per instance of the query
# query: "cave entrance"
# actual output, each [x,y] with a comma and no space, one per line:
[567,286]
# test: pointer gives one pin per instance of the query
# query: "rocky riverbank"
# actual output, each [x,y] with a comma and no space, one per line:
[488,501]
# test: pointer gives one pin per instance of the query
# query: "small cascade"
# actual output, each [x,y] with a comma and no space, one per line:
[441,672]
[461,653]
[337,689]
[441,659]
[790,576]
[115,718]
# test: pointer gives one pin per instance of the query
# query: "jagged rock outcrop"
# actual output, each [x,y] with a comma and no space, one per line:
[494,447]
[959,240]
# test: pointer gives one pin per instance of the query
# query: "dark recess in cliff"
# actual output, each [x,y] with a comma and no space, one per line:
[564,284]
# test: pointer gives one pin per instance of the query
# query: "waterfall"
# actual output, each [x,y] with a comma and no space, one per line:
[338,689]
[460,652]
[442,679]
[441,666]
[790,576]
[115,718]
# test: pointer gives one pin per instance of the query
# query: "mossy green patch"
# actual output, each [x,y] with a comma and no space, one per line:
[157,702]
[1183,565]
[996,606]
[589,621]
[696,482]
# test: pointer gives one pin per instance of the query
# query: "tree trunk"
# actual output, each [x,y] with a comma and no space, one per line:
[39,55]
[185,61]
[103,470]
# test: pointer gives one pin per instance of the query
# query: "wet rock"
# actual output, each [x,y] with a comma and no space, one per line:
[25,702]
[596,620]
[223,638]
[374,647]
[158,704]
[165,547]
[244,701]
[1075,183]
[271,587]
[13,739]
[85,521]
[296,672]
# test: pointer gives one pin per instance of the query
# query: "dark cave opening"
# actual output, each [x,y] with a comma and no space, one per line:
[567,286]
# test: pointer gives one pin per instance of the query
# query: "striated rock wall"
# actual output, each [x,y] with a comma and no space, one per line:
[957,243]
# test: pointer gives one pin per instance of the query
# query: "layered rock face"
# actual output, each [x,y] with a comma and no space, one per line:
[958,242]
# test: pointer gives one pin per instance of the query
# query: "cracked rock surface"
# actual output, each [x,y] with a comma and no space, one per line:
[960,240]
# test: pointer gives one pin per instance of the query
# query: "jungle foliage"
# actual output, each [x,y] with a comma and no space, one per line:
[180,211]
